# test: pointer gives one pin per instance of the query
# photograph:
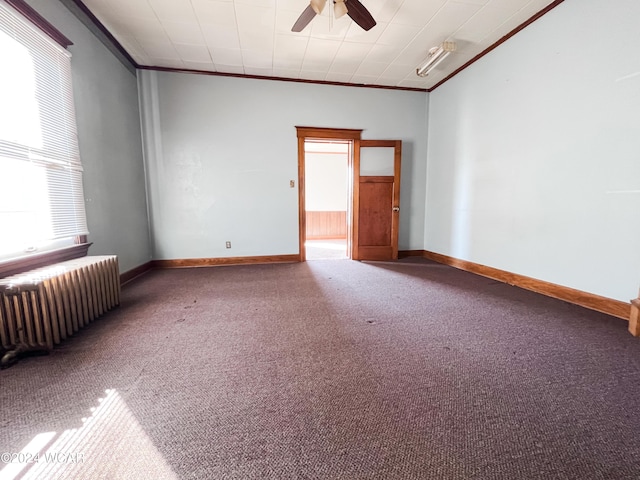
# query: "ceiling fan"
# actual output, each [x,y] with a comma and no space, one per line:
[353,8]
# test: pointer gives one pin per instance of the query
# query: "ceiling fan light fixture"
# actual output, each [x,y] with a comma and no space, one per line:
[318,5]
[340,8]
[356,11]
[435,56]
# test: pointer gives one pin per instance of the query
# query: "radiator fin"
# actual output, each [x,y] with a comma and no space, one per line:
[42,307]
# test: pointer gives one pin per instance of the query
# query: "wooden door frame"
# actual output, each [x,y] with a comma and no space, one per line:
[320,133]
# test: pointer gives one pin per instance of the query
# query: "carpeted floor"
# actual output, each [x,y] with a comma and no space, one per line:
[329,370]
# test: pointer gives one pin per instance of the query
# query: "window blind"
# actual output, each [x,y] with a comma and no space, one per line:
[41,196]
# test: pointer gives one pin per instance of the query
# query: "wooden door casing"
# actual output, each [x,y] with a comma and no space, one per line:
[376,191]
[319,133]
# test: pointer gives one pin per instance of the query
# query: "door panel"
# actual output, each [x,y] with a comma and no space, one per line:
[376,199]
[374,219]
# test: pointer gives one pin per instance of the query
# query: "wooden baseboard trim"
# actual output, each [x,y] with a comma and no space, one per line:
[129,275]
[606,305]
[214,262]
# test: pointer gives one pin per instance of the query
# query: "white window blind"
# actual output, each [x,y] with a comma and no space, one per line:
[41,197]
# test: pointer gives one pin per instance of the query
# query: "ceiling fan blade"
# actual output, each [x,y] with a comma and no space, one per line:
[303,20]
[360,14]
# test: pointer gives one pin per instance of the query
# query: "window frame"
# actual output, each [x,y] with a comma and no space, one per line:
[80,249]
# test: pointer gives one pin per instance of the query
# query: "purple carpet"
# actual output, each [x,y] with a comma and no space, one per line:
[329,369]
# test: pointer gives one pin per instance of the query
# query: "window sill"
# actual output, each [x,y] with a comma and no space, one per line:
[37,260]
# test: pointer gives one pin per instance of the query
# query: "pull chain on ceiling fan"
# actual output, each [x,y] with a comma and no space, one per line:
[353,8]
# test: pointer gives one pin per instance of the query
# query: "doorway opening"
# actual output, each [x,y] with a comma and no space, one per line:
[327,197]
[335,136]
[373,203]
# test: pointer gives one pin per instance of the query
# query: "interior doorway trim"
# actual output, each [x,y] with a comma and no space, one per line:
[315,133]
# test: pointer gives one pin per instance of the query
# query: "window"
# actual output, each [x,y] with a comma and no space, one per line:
[41,197]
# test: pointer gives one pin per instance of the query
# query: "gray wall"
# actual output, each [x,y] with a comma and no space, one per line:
[221,151]
[534,153]
[106,101]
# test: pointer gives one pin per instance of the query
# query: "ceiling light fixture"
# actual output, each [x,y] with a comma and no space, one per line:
[339,9]
[318,5]
[435,56]
[356,11]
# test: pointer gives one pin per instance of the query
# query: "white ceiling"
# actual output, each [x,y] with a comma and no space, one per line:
[253,37]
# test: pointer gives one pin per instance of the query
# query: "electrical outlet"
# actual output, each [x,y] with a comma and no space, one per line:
[228,244]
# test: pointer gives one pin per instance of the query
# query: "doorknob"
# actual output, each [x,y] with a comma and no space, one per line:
[396,209]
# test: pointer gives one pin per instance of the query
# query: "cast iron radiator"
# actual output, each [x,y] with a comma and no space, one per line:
[42,307]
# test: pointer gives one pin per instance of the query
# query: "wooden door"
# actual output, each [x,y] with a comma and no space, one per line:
[376,199]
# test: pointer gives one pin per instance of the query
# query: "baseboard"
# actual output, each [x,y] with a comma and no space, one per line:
[606,305]
[212,262]
[135,272]
[601,304]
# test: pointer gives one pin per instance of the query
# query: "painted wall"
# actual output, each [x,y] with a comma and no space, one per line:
[108,118]
[221,151]
[325,178]
[534,153]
